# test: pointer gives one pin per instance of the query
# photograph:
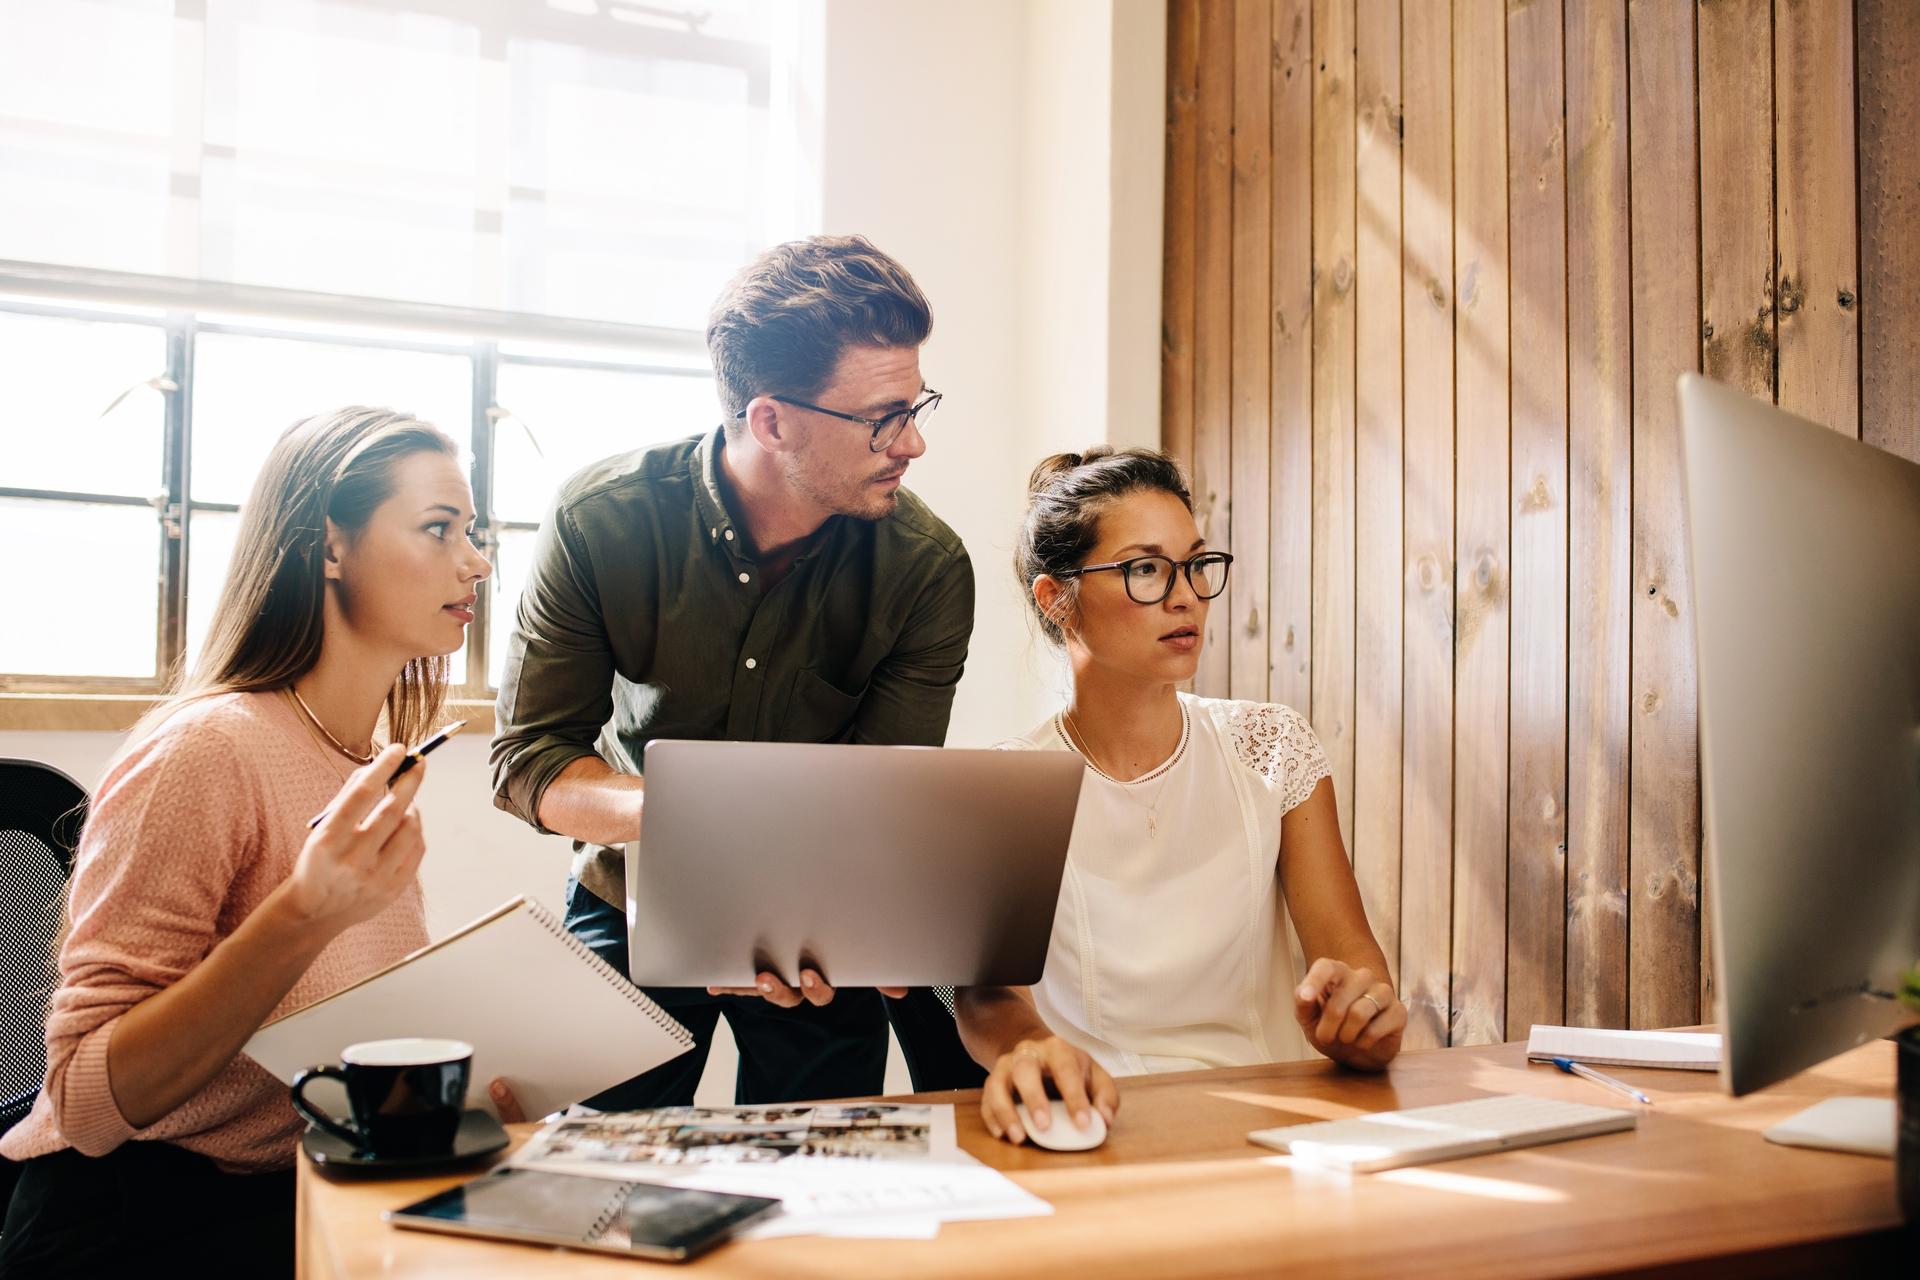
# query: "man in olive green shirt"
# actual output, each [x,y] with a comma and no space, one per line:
[769,581]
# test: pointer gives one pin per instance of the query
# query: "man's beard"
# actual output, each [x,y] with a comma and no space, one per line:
[842,496]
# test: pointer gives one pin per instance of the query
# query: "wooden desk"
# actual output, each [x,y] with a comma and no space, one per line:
[1178,1190]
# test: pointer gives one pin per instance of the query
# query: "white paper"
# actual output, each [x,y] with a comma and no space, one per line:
[900,1186]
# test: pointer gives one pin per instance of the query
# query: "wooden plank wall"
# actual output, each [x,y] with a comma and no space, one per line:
[1431,270]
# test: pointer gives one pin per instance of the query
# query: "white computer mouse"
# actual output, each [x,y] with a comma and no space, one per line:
[1063,1134]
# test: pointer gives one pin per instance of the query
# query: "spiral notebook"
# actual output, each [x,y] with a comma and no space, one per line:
[538,1007]
[1680,1050]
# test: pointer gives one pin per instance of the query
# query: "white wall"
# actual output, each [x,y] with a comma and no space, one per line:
[1009,153]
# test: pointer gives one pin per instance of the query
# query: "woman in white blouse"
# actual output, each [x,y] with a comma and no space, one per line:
[1206,852]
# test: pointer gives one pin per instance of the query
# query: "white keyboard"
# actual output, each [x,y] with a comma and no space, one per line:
[1425,1135]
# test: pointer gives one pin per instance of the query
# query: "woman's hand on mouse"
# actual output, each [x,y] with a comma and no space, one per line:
[1021,1075]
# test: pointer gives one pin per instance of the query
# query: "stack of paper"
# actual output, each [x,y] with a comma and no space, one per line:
[863,1169]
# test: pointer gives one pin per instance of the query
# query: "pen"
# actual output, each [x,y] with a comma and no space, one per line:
[407,762]
[1573,1068]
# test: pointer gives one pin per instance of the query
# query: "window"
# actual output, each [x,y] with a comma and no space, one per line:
[603,159]
[128,567]
[226,215]
[84,490]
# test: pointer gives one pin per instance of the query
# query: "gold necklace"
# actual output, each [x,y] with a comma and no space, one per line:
[1076,742]
[338,745]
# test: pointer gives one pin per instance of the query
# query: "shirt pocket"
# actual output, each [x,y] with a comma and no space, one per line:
[818,710]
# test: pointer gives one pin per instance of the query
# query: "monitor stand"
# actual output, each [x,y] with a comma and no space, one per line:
[1863,1126]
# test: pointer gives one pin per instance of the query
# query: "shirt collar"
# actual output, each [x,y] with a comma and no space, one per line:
[722,529]
[707,495]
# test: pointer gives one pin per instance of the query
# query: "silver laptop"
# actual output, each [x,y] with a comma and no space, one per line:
[1806,584]
[877,866]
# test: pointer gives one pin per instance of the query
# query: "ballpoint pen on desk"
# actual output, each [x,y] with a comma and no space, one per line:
[1573,1068]
[407,762]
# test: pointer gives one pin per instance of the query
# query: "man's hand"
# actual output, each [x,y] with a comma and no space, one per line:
[505,1102]
[813,990]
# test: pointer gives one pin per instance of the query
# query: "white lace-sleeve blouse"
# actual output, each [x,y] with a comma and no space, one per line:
[1171,947]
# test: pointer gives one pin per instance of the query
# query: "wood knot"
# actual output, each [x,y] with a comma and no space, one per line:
[1790,296]
[1537,498]
[1470,284]
[1846,299]
[1706,329]
[1650,703]
[1436,294]
[1342,276]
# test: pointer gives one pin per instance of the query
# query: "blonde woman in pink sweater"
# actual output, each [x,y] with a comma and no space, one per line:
[201,905]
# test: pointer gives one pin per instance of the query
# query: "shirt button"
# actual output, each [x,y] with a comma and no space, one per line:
[714,533]
[729,535]
[751,664]
[743,577]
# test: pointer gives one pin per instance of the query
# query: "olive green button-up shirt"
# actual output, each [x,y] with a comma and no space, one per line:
[644,617]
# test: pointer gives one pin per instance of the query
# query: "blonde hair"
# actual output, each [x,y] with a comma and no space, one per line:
[267,625]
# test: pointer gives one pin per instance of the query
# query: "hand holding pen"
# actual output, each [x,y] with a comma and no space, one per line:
[1601,1078]
[363,854]
[411,759]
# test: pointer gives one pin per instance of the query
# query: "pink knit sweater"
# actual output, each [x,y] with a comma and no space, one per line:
[187,835]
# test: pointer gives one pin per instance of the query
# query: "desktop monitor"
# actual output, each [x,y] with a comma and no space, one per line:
[1805,550]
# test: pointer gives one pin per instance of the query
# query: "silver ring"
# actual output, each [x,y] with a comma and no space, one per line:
[1378,1008]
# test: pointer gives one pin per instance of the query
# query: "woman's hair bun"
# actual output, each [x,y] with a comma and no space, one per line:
[1066,496]
[1061,465]
[1051,469]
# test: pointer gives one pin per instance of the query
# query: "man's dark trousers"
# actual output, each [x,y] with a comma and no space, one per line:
[838,1050]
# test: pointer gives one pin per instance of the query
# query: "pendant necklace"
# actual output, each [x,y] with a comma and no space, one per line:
[1076,742]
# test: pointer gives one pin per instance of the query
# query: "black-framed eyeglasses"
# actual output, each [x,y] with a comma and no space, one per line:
[885,430]
[1149,579]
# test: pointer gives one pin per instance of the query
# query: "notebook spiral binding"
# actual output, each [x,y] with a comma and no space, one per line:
[621,1191]
[640,999]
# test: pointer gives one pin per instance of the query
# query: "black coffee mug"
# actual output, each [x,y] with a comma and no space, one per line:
[406,1096]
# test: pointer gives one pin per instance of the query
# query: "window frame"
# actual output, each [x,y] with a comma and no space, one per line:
[186,309]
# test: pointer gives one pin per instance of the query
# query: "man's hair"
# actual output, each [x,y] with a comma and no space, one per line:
[780,326]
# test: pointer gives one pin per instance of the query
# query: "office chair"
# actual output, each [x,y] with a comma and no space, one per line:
[41,810]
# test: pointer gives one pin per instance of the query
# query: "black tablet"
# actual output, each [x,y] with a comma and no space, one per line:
[638,1219]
